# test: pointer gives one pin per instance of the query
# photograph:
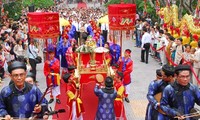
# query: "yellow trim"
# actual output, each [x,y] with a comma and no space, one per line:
[57,76]
[70,95]
[120,91]
[78,103]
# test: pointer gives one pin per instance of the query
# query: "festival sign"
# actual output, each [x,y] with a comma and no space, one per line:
[43,25]
[121,16]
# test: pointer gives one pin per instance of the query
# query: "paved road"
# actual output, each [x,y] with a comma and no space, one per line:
[141,77]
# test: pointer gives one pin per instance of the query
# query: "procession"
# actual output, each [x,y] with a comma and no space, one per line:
[100,61]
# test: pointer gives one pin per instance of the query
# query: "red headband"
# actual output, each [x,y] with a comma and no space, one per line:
[128,52]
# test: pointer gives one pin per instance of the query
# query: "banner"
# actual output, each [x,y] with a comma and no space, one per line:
[43,25]
[121,16]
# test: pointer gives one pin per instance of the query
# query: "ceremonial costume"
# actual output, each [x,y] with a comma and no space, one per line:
[72,31]
[61,50]
[71,55]
[126,66]
[20,98]
[118,103]
[155,87]
[21,103]
[108,58]
[177,99]
[52,73]
[89,30]
[115,51]
[180,97]
[74,102]
[106,96]
[101,41]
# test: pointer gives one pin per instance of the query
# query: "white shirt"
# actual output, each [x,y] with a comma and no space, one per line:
[104,26]
[146,38]
[197,58]
[140,26]
[164,41]
[33,50]
[157,36]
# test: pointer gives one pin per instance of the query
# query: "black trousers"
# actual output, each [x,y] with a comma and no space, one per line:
[105,34]
[146,50]
[33,65]
[2,72]
[77,35]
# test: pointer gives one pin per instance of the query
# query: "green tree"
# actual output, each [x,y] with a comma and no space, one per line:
[38,3]
[14,7]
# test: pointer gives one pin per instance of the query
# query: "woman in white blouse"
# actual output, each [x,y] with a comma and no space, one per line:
[19,50]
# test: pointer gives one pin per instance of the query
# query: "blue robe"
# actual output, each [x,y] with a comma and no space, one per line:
[100,41]
[20,103]
[155,87]
[61,50]
[115,54]
[71,33]
[179,99]
[105,110]
[90,31]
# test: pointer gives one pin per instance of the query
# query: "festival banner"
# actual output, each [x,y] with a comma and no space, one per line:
[43,25]
[121,16]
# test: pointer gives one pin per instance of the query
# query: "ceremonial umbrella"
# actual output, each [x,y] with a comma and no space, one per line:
[63,22]
[104,19]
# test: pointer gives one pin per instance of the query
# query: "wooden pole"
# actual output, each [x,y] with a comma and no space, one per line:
[121,40]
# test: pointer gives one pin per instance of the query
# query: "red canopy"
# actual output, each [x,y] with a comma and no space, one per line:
[82,5]
[43,25]
[121,16]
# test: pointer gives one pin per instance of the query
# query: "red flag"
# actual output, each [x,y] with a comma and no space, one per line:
[145,7]
[197,9]
[168,3]
[157,5]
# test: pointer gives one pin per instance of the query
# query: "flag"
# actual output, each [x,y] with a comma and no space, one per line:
[168,3]
[145,7]
[157,5]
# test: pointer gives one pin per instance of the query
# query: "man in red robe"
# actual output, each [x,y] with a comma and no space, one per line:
[74,102]
[126,66]
[118,103]
[52,73]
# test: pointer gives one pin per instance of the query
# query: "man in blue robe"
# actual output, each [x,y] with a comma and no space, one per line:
[115,51]
[62,47]
[21,99]
[107,95]
[155,88]
[180,97]
[101,41]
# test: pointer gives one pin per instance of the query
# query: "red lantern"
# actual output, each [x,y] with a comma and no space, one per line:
[121,16]
[43,25]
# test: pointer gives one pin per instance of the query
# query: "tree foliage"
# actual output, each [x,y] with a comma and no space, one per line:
[185,6]
[14,8]
[39,3]
[115,2]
